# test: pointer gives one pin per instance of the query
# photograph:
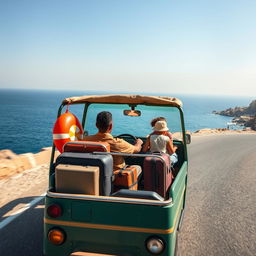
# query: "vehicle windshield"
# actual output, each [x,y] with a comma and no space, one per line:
[135,125]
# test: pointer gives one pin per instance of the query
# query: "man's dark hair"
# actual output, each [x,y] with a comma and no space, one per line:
[103,121]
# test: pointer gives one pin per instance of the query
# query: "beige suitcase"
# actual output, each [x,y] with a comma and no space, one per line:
[76,179]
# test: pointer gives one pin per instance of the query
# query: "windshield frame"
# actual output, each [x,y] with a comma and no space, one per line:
[85,111]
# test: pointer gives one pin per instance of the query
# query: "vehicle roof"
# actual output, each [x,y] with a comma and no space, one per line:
[125,99]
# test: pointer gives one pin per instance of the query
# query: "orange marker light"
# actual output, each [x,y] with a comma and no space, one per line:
[56,236]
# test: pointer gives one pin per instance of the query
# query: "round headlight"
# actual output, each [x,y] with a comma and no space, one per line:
[155,245]
[56,236]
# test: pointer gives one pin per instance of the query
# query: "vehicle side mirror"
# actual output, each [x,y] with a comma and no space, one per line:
[188,138]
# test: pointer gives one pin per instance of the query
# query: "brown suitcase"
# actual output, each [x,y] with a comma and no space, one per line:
[126,178]
[76,179]
[86,146]
[157,173]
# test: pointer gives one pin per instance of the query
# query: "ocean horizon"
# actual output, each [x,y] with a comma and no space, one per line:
[28,116]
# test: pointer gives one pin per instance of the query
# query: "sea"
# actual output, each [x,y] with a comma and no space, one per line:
[27,117]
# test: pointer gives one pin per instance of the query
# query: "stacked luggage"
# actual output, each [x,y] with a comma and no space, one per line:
[86,173]
[81,170]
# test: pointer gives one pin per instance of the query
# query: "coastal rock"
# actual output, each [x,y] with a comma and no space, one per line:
[241,119]
[7,154]
[216,131]
[251,110]
[251,123]
[208,130]
[16,165]
[11,164]
[242,115]
[239,111]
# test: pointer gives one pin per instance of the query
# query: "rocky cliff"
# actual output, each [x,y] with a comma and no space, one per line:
[11,164]
[239,111]
[251,123]
[242,115]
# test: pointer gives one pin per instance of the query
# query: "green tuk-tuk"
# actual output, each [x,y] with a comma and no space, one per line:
[109,224]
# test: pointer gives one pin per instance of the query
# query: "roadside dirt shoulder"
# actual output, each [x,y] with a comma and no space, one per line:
[20,189]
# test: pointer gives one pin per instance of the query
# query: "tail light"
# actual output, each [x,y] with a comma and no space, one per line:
[56,236]
[54,211]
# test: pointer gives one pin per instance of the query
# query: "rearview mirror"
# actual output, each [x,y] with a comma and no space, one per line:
[132,112]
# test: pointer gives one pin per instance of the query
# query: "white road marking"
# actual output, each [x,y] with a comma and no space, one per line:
[16,214]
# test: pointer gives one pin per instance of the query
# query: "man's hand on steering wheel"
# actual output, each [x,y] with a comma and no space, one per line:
[137,142]
[138,145]
[125,135]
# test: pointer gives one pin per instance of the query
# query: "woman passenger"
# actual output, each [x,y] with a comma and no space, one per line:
[160,140]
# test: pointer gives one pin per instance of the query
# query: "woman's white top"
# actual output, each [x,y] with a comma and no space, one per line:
[158,143]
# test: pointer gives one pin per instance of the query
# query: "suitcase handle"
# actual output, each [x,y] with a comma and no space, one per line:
[126,169]
[123,169]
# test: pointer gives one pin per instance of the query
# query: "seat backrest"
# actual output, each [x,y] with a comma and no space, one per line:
[141,194]
[86,146]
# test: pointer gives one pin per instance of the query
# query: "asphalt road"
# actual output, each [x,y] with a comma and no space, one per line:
[24,235]
[220,216]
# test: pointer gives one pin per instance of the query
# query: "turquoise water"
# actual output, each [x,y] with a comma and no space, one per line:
[28,116]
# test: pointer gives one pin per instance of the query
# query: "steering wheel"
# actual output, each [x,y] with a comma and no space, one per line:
[125,135]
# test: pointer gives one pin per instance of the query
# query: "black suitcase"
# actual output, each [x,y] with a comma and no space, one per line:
[105,163]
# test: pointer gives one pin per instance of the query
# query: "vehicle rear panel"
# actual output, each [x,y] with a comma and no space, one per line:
[115,227]
[108,227]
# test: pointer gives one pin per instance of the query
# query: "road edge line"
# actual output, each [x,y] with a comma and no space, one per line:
[16,214]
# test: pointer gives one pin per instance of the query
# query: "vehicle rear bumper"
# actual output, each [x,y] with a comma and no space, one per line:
[90,254]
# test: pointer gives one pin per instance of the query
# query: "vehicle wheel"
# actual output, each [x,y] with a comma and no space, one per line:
[176,244]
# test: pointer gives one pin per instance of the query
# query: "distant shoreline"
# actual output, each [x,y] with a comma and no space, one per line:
[207,131]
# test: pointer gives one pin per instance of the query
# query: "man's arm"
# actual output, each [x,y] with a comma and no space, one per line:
[137,146]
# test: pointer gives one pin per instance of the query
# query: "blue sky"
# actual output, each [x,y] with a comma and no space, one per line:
[200,47]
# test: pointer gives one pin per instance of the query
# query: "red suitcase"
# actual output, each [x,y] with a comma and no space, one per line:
[157,173]
[86,146]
